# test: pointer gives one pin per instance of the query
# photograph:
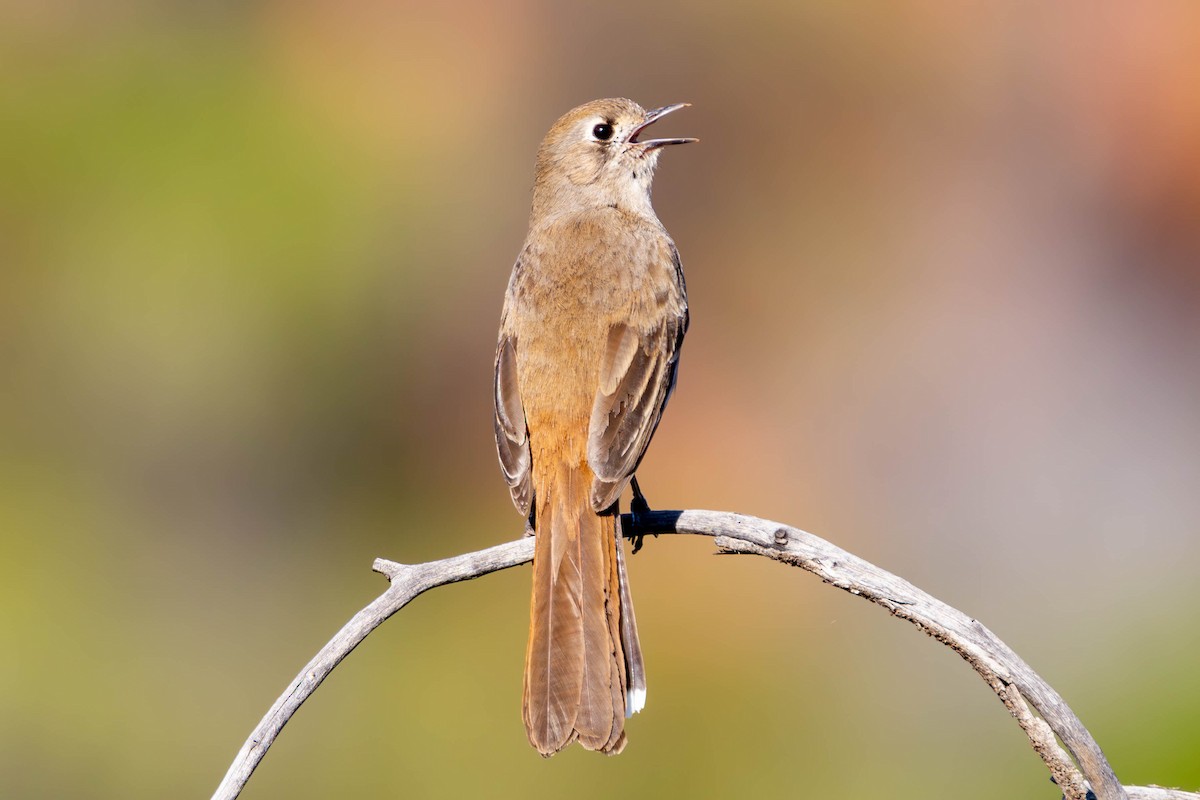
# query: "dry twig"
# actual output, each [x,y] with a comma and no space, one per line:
[1080,766]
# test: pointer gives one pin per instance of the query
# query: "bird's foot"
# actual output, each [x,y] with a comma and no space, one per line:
[639,510]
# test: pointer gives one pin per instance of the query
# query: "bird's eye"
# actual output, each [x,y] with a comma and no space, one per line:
[603,131]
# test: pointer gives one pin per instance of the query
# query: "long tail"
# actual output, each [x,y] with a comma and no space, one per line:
[575,664]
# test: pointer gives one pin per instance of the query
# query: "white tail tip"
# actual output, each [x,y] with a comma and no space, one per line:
[635,701]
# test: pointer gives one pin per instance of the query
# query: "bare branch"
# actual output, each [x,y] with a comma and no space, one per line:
[1014,682]
[407,581]
[1062,770]
[1153,792]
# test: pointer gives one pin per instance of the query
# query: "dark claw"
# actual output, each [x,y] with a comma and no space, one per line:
[1090,794]
[638,540]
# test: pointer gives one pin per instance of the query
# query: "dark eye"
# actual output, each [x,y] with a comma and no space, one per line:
[603,131]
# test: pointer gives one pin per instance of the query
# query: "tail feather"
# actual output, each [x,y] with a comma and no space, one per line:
[635,668]
[575,668]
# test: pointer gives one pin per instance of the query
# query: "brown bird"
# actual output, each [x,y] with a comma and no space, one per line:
[593,320]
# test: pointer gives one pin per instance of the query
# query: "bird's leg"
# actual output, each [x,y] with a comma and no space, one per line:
[638,505]
[638,510]
[529,526]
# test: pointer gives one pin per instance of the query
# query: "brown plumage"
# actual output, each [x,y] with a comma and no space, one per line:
[593,320]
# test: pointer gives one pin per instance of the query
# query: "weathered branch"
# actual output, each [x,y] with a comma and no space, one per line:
[1080,766]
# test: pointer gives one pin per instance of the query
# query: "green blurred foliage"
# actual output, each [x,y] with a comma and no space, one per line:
[943,270]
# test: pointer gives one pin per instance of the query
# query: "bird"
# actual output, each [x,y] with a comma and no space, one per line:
[593,320]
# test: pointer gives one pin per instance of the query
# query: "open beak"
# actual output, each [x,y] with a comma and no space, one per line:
[651,117]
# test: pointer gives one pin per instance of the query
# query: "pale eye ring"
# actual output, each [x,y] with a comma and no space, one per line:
[603,131]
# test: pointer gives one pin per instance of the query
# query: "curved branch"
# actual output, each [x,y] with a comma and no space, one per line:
[407,581]
[1013,681]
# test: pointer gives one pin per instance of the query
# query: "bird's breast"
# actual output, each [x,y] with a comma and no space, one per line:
[575,280]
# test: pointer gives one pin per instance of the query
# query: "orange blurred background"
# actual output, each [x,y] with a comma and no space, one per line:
[944,269]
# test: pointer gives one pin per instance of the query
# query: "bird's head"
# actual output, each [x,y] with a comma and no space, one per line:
[595,156]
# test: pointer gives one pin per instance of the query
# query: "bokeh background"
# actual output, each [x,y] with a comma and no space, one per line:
[944,267]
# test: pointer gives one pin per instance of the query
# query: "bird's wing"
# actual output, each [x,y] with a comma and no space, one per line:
[512,437]
[637,377]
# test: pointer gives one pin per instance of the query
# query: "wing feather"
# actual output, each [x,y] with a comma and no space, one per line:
[512,437]
[637,377]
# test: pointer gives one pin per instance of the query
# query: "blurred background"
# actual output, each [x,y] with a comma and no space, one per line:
[944,270]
